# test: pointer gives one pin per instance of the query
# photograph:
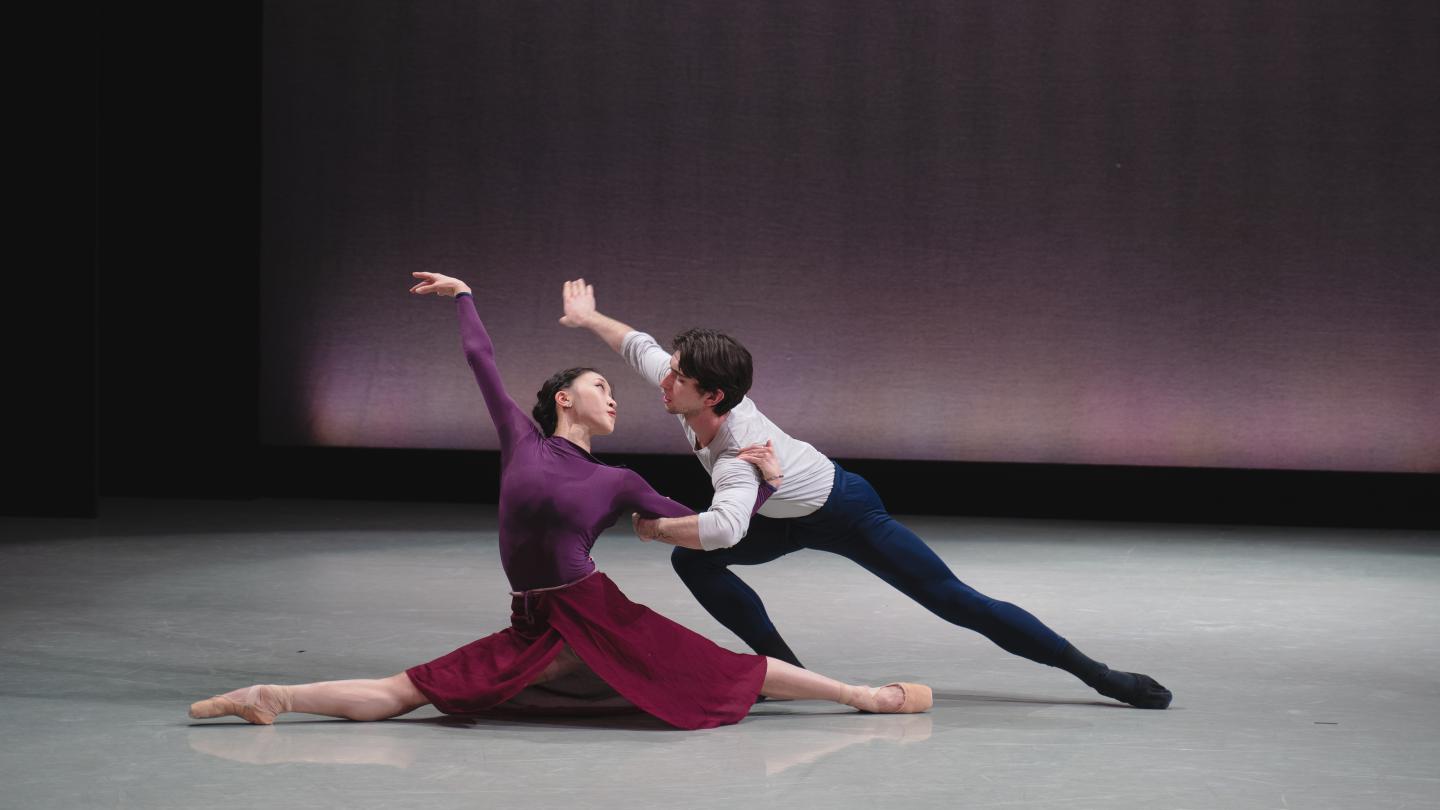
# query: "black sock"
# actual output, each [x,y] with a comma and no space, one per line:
[1078,664]
[1140,691]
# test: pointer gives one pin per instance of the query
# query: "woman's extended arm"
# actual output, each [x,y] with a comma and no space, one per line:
[510,422]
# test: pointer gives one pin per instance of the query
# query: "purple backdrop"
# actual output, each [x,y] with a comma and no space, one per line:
[1150,233]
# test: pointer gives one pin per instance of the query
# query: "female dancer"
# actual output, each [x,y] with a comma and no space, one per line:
[567,618]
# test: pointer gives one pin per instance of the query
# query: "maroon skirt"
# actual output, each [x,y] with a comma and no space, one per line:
[653,663]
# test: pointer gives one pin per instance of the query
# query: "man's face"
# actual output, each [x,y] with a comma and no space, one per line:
[682,395]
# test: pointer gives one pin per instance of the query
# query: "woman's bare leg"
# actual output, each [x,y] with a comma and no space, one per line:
[377,699]
[364,699]
[784,680]
[563,664]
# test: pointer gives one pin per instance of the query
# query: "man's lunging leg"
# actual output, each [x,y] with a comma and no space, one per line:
[727,598]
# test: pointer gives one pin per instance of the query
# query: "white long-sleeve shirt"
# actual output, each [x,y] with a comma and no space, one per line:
[809,475]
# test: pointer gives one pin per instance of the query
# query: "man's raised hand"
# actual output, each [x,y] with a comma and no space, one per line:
[579,300]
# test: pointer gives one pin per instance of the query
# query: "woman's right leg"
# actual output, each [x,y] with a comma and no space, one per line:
[362,699]
[787,681]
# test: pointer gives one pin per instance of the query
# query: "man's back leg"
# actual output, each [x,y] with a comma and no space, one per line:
[889,550]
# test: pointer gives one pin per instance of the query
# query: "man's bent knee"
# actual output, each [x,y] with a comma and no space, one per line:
[686,560]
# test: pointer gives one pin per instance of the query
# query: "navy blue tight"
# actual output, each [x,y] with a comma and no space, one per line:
[854,524]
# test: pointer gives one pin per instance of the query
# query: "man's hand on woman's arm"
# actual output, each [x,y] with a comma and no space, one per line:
[681,531]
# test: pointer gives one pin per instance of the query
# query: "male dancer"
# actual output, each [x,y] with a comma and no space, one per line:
[703,381]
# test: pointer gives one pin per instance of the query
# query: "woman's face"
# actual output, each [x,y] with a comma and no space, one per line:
[591,403]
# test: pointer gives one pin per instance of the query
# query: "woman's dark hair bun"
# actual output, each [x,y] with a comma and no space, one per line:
[544,410]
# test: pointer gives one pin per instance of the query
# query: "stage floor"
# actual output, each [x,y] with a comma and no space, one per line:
[1305,665]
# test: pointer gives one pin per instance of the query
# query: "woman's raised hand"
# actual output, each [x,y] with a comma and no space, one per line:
[763,456]
[438,284]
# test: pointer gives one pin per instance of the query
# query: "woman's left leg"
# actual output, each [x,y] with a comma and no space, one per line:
[361,699]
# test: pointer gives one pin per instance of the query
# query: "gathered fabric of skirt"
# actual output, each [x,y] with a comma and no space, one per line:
[660,667]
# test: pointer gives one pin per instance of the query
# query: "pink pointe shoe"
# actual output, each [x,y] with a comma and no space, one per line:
[259,705]
[918,698]
[915,698]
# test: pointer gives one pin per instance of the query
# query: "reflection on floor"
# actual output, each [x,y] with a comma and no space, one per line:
[1303,663]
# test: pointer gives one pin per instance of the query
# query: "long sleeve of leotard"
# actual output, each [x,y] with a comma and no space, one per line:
[510,422]
[639,496]
[761,496]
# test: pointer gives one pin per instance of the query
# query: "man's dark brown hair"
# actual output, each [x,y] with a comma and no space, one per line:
[717,362]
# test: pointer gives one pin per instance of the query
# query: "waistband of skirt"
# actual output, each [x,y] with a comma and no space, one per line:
[533,591]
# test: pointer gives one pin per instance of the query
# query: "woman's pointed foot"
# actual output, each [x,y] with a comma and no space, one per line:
[893,698]
[259,704]
[915,697]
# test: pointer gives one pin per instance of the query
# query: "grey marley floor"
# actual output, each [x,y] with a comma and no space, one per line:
[1305,664]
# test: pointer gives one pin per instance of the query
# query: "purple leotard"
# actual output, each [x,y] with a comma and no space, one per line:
[555,497]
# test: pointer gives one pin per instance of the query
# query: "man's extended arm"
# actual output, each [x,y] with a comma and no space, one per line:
[739,494]
[679,531]
[685,530]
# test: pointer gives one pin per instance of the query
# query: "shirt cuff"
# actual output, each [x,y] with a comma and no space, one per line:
[713,535]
